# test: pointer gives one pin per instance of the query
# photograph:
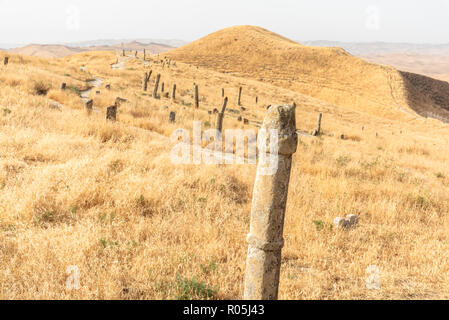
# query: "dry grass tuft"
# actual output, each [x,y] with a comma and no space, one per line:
[40,88]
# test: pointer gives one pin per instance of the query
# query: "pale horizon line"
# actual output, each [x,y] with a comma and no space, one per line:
[118,40]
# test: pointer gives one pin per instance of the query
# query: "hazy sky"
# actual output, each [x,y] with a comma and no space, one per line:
[48,21]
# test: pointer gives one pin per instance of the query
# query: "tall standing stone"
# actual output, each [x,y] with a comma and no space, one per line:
[145,82]
[268,209]
[156,86]
[63,86]
[240,97]
[172,117]
[144,54]
[6,61]
[318,128]
[173,93]
[197,100]
[163,87]
[220,116]
[89,106]
[317,131]
[111,113]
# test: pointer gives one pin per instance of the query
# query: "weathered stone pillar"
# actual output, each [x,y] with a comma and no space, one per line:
[89,106]
[111,113]
[172,117]
[173,93]
[163,87]
[6,61]
[63,86]
[156,86]
[145,81]
[268,209]
[220,116]
[317,131]
[318,128]
[240,97]
[197,101]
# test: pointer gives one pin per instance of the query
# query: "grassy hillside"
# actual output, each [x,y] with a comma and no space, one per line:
[79,191]
[329,74]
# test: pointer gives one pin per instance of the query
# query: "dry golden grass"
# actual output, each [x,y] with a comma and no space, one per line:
[76,190]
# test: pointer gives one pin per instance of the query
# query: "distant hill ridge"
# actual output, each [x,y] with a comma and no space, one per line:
[115,42]
[60,51]
[380,48]
[46,51]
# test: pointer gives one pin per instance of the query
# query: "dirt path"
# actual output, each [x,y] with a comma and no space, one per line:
[145,63]
[121,62]
[94,83]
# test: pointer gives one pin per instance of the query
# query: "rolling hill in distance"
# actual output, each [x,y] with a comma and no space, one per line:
[433,65]
[153,48]
[117,42]
[61,51]
[427,59]
[381,48]
[328,74]
[46,51]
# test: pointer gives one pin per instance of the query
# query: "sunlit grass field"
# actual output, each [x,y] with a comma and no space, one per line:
[76,190]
